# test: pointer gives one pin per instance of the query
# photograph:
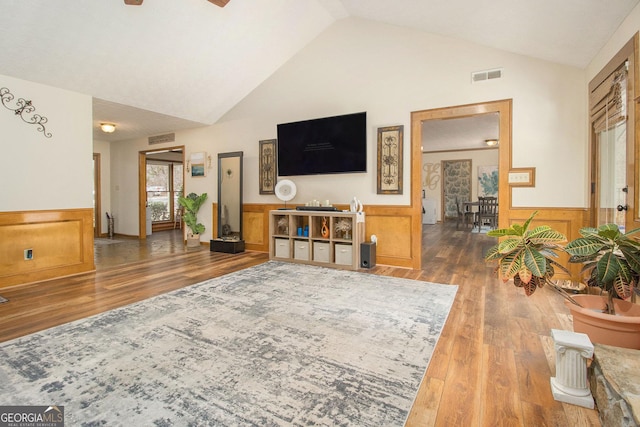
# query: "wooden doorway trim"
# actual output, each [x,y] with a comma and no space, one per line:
[97,194]
[629,52]
[503,108]
[142,186]
[142,197]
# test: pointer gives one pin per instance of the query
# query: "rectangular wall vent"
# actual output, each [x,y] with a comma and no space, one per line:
[479,76]
[159,139]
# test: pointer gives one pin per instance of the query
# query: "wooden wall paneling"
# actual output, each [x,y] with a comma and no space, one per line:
[214,220]
[397,228]
[255,227]
[393,227]
[568,221]
[62,243]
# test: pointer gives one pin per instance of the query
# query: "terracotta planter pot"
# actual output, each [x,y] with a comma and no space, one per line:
[621,330]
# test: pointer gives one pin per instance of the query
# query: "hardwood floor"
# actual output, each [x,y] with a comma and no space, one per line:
[491,366]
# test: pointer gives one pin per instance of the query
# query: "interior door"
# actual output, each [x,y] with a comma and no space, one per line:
[615,190]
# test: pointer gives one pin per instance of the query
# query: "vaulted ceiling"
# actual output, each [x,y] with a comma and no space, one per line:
[168,65]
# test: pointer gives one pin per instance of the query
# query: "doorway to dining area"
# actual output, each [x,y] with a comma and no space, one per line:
[464,153]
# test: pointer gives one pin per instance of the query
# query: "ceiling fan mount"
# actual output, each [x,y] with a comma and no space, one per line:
[221,3]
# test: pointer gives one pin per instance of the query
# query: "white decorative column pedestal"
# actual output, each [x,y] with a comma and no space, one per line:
[571,385]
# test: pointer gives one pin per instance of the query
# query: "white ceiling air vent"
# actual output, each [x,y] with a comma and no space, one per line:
[479,76]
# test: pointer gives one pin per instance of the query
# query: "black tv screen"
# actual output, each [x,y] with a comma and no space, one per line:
[322,146]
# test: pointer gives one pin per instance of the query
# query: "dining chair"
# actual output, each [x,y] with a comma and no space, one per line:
[487,212]
[463,215]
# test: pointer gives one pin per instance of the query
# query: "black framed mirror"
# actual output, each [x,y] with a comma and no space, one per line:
[229,234]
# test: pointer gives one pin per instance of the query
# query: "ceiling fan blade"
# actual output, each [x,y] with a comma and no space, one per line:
[133,2]
[221,3]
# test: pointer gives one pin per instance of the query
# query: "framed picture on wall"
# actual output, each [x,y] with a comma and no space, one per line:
[390,159]
[487,181]
[268,166]
[197,165]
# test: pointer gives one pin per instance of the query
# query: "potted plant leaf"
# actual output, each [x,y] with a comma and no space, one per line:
[528,256]
[191,204]
[611,262]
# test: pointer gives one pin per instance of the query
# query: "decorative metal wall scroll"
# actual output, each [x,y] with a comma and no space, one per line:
[268,166]
[390,160]
[23,109]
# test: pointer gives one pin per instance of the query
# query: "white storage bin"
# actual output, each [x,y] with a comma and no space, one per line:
[321,251]
[282,248]
[344,254]
[301,250]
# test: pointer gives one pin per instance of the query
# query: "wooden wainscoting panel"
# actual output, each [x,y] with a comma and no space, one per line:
[53,244]
[214,220]
[393,225]
[61,244]
[568,221]
[253,225]
[394,238]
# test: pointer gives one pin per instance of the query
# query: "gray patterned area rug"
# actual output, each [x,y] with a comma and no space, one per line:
[277,344]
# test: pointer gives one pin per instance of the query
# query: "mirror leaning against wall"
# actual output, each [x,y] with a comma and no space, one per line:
[229,234]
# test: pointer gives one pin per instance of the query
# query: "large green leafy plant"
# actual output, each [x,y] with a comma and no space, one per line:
[611,260]
[191,204]
[527,256]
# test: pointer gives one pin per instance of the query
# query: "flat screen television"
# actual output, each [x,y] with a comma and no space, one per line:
[327,145]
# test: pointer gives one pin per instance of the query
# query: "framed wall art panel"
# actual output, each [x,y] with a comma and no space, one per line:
[390,159]
[196,165]
[268,166]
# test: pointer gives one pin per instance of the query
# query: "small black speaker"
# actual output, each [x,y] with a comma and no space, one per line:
[367,254]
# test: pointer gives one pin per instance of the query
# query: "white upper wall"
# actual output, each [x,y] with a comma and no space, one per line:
[388,71]
[623,34]
[40,173]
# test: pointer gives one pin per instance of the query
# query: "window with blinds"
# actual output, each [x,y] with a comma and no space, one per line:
[609,101]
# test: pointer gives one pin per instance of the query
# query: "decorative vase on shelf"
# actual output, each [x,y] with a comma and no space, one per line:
[324,230]
[355,205]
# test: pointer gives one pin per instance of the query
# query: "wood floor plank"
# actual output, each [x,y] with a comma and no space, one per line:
[499,381]
[491,366]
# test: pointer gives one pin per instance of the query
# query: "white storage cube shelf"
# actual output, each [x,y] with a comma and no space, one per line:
[282,248]
[344,254]
[301,251]
[329,238]
[321,251]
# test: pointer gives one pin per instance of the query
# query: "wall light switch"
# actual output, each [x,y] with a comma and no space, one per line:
[518,177]
[522,177]
[28,254]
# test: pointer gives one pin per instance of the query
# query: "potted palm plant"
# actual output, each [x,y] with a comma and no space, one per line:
[527,256]
[191,204]
[611,264]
